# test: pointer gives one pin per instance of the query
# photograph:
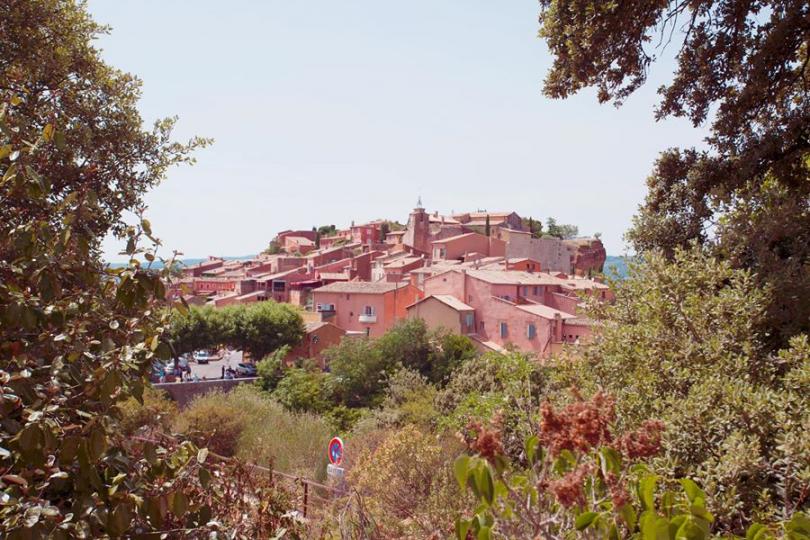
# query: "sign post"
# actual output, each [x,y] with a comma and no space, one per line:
[334,471]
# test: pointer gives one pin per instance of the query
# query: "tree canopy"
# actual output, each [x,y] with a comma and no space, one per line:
[259,328]
[743,67]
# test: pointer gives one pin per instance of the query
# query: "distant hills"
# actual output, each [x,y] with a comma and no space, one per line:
[617,263]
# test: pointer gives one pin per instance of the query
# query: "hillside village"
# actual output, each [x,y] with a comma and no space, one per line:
[485,275]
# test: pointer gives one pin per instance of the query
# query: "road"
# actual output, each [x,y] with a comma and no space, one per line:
[213,370]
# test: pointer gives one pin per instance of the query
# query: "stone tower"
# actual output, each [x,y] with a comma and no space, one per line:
[417,235]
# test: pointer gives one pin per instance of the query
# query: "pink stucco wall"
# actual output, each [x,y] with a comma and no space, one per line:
[491,311]
[388,307]
[437,314]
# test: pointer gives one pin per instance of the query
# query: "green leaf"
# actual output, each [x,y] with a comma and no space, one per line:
[584,520]
[5,150]
[531,446]
[753,530]
[690,530]
[799,523]
[47,132]
[628,514]
[98,443]
[460,469]
[118,520]
[701,512]
[653,527]
[204,476]
[484,533]
[646,492]
[610,461]
[485,485]
[59,140]
[179,503]
[693,492]
[462,526]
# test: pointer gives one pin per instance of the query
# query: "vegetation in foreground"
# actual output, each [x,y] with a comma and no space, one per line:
[690,418]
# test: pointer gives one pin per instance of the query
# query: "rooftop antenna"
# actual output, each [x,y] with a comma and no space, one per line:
[419,202]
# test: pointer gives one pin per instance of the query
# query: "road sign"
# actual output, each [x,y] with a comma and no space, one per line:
[335,451]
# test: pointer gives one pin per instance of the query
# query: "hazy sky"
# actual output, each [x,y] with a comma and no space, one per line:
[327,112]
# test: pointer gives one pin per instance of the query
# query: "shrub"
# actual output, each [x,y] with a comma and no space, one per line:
[511,385]
[408,400]
[304,390]
[681,343]
[407,484]
[157,411]
[270,369]
[359,372]
[212,421]
[249,425]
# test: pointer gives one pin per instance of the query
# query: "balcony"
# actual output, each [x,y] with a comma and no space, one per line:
[365,318]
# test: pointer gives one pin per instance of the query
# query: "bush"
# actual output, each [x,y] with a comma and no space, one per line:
[157,411]
[681,344]
[407,484]
[304,389]
[408,400]
[213,422]
[511,385]
[270,369]
[359,372]
[247,424]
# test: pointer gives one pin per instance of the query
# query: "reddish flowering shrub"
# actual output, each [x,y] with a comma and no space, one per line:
[581,426]
[568,489]
[487,442]
[644,442]
[617,488]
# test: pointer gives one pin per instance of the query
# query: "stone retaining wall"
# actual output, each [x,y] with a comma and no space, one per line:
[184,392]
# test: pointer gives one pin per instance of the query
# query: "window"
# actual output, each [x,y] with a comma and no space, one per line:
[525,291]
[368,310]
[278,286]
[504,330]
[536,290]
[531,331]
[347,297]
[469,320]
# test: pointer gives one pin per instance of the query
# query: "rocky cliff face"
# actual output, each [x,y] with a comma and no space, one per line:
[588,256]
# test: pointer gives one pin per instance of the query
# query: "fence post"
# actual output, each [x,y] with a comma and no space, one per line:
[306,492]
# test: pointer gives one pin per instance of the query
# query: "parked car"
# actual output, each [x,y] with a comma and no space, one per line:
[246,370]
[202,357]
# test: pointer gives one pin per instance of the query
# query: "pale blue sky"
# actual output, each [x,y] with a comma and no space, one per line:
[327,112]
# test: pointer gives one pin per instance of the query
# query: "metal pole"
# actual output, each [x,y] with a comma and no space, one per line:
[306,493]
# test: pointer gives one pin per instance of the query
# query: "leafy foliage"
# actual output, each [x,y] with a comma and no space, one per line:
[304,389]
[744,67]
[575,475]
[407,484]
[557,230]
[270,369]
[510,385]
[154,410]
[246,423]
[686,332]
[258,328]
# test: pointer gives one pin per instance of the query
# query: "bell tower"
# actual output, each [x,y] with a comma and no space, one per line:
[417,235]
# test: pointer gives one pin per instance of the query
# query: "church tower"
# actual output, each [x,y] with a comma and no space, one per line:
[417,235]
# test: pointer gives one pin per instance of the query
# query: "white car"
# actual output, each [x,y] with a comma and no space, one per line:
[202,357]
